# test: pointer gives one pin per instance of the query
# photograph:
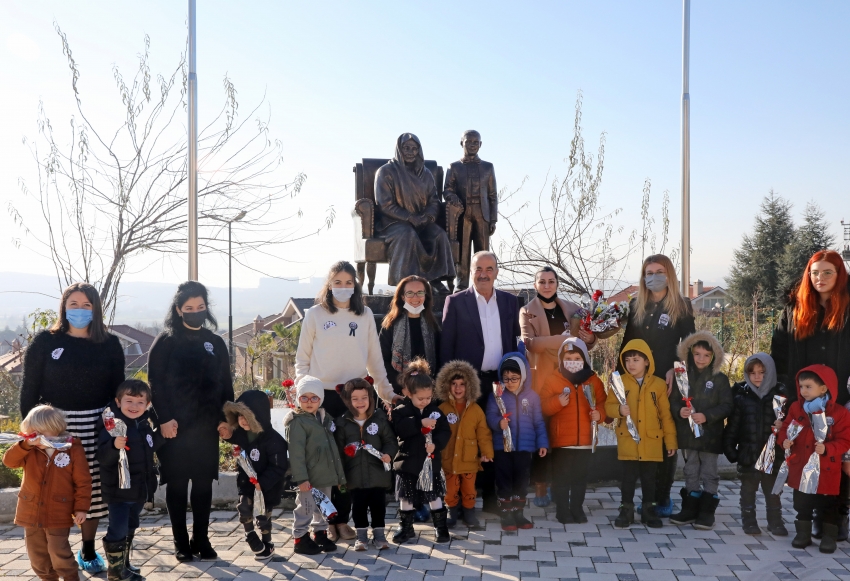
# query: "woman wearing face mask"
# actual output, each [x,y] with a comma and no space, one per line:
[339,342]
[545,322]
[815,328]
[189,373]
[410,329]
[76,366]
[662,317]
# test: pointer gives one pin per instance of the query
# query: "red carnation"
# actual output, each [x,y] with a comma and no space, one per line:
[426,431]
[351,450]
[339,387]
[109,424]
[287,383]
[237,450]
[369,379]
[597,295]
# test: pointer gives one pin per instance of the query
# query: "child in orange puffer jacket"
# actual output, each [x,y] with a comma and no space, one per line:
[571,418]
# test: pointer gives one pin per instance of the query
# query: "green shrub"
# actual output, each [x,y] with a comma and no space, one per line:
[9,477]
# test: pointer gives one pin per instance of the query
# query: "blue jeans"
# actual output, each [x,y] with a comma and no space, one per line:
[123,520]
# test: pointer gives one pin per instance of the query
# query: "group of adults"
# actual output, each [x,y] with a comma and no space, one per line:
[77,364]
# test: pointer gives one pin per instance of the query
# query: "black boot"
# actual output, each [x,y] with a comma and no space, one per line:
[828,541]
[323,542]
[506,514]
[127,564]
[804,534]
[626,516]
[202,549]
[690,508]
[454,511]
[775,522]
[519,520]
[405,530]
[304,545]
[749,522]
[707,505]
[441,531]
[470,519]
[254,542]
[844,508]
[817,524]
[577,493]
[648,516]
[182,547]
[561,497]
[115,570]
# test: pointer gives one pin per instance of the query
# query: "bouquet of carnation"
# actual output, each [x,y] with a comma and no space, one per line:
[58,443]
[118,429]
[591,400]
[811,471]
[768,453]
[597,316]
[680,370]
[289,392]
[794,429]
[426,475]
[507,439]
[248,468]
[619,390]
[352,449]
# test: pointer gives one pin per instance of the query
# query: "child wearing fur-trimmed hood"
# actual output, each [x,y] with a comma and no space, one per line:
[471,442]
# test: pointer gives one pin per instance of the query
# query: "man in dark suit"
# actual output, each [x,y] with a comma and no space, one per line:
[473,181]
[480,325]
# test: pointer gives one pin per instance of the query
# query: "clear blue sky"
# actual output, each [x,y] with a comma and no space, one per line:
[769,86]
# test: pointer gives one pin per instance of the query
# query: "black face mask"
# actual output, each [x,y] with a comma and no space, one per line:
[549,299]
[195,319]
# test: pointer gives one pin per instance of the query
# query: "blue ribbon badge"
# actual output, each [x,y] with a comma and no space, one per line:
[353,327]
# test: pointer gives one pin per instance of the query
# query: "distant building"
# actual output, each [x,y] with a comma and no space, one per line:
[624,295]
[706,298]
[136,345]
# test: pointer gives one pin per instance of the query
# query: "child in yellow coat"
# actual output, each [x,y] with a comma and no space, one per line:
[647,404]
[471,442]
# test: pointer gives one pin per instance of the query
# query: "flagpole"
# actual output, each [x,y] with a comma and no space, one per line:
[686,148]
[193,149]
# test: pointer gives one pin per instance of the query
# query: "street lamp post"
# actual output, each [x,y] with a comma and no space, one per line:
[722,308]
[686,146]
[192,99]
[229,223]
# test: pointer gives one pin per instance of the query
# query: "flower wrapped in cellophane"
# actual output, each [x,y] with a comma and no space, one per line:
[426,475]
[352,449]
[597,316]
[289,392]
[326,507]
[591,401]
[768,453]
[58,443]
[507,438]
[811,471]
[118,429]
[248,469]
[619,390]
[794,429]
[680,370]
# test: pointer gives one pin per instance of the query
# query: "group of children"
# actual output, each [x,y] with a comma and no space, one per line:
[367,451]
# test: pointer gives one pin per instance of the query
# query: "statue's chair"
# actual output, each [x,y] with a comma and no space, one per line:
[369,249]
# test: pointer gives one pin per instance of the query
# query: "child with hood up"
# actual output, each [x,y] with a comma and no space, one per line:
[250,428]
[746,433]
[528,435]
[367,480]
[571,426]
[711,401]
[471,442]
[817,391]
[647,404]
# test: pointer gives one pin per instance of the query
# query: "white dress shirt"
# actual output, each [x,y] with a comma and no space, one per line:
[491,325]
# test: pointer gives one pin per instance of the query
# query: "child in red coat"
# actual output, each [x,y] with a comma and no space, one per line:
[817,389]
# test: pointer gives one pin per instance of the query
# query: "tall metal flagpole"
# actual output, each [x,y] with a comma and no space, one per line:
[193,149]
[686,149]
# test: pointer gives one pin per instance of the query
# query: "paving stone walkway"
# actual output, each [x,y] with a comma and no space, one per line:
[591,552]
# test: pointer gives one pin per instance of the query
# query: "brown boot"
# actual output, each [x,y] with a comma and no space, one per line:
[332,533]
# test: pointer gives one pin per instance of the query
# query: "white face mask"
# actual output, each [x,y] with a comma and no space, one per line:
[413,310]
[573,366]
[343,294]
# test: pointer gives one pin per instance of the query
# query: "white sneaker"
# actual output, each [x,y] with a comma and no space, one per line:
[360,545]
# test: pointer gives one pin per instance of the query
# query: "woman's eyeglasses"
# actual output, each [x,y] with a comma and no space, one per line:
[824,274]
[411,294]
[309,398]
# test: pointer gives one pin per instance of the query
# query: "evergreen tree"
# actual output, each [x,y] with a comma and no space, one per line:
[812,236]
[757,262]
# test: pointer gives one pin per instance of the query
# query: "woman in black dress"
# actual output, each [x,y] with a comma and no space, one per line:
[410,329]
[76,366]
[189,373]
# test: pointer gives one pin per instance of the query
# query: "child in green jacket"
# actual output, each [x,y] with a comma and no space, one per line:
[314,463]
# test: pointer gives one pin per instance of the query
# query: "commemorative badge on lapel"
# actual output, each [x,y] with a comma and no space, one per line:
[353,327]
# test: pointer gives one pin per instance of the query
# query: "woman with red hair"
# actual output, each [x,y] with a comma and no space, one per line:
[815,328]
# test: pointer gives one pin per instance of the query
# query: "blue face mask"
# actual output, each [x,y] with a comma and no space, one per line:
[79,318]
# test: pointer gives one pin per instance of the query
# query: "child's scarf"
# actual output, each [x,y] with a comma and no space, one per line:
[816,405]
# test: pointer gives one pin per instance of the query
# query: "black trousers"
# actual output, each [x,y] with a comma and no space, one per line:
[474,232]
[647,472]
[513,473]
[364,501]
[486,479]
[665,474]
[177,498]
[805,505]
[335,407]
[751,479]
[569,477]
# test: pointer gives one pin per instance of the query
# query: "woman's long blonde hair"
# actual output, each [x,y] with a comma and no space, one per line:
[675,305]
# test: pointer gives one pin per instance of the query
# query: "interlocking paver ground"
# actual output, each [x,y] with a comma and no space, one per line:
[590,552]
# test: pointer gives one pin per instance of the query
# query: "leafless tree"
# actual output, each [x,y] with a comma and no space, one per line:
[110,194]
[570,231]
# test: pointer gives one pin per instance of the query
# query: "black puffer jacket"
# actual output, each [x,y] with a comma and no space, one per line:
[750,424]
[711,395]
[363,470]
[142,442]
[407,424]
[267,451]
